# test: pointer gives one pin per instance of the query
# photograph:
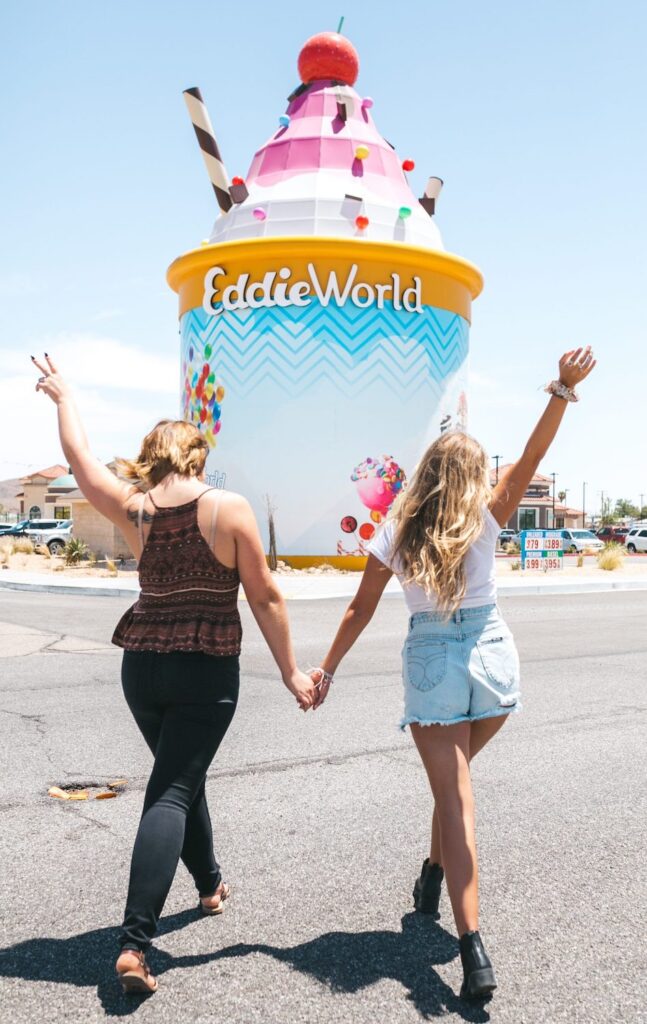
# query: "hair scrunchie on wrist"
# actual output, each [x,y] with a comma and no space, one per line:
[560,390]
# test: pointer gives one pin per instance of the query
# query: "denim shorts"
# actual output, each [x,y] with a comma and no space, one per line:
[459,669]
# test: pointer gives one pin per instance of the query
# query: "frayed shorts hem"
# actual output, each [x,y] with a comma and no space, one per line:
[493,713]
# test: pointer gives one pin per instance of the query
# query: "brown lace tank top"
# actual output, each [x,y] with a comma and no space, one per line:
[188,599]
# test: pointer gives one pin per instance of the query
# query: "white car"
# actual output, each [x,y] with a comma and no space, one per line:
[507,536]
[54,533]
[581,540]
[636,539]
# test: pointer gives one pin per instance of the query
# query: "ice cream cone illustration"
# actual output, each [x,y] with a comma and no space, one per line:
[323,305]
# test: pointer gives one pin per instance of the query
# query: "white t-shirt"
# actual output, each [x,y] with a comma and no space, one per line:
[480,569]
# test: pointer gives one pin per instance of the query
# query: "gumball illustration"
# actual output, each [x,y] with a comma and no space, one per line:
[349,524]
[202,394]
[366,531]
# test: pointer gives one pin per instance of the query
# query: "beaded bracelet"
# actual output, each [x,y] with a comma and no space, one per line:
[326,677]
[560,390]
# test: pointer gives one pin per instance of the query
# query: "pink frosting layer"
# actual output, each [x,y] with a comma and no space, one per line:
[318,139]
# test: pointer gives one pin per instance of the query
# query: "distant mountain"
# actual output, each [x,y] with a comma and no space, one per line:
[8,491]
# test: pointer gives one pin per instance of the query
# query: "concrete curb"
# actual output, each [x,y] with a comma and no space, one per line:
[308,588]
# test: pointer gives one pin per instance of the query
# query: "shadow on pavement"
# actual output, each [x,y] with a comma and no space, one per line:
[343,961]
[351,961]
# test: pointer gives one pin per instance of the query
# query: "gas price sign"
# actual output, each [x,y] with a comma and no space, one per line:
[542,550]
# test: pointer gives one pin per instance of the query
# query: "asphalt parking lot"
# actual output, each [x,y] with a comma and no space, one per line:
[321,824]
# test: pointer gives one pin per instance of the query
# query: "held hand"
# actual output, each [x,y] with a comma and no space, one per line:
[303,689]
[575,366]
[322,683]
[51,382]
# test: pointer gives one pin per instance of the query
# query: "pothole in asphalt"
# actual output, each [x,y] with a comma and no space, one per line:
[88,790]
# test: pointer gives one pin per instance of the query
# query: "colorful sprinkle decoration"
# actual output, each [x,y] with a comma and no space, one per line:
[361,222]
[259,213]
[408,165]
[367,102]
[362,152]
[202,395]
[404,212]
[284,120]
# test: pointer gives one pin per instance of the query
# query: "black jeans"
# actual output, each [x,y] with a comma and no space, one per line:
[183,705]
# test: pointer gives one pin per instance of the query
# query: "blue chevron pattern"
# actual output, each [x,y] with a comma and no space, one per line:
[352,347]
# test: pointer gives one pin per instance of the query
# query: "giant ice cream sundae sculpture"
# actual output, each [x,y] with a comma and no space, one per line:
[322,319]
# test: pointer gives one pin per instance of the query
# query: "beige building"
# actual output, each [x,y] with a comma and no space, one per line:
[101,536]
[52,493]
[32,497]
[535,510]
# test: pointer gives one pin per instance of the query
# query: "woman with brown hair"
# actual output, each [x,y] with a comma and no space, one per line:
[460,665]
[195,545]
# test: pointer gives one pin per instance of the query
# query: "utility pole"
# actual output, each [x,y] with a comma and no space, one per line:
[553,522]
[640,510]
[584,505]
[496,471]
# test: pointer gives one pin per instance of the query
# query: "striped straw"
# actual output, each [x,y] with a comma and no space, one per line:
[207,141]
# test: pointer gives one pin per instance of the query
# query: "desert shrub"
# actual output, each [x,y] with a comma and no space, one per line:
[111,566]
[22,546]
[42,549]
[512,548]
[75,551]
[515,566]
[611,557]
[580,561]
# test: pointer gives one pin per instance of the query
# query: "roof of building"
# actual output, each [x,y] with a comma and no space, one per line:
[538,478]
[67,480]
[50,473]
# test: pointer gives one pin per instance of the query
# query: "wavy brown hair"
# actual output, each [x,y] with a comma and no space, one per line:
[172,446]
[440,515]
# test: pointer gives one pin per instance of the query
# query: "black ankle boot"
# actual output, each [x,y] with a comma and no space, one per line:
[426,891]
[478,973]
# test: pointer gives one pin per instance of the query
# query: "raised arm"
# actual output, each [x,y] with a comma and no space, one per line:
[266,600]
[574,367]
[101,487]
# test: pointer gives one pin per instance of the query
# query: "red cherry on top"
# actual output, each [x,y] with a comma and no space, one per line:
[328,55]
[408,165]
[238,181]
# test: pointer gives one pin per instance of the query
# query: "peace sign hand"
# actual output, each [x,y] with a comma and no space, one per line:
[51,382]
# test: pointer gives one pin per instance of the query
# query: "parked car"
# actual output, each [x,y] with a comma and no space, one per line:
[637,539]
[54,533]
[10,527]
[581,540]
[612,534]
[508,537]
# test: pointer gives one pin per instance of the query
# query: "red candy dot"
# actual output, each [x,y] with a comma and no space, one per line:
[408,165]
[238,181]
[366,531]
[361,222]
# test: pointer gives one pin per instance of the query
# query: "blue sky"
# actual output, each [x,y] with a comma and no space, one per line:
[532,113]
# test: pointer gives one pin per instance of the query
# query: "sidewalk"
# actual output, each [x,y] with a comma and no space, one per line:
[313,588]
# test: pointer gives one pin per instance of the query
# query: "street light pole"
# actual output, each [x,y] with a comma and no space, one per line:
[584,505]
[553,522]
[496,471]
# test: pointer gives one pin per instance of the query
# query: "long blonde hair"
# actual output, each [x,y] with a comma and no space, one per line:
[172,446]
[440,515]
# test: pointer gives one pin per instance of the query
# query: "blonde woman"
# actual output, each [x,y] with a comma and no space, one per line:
[460,664]
[181,639]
